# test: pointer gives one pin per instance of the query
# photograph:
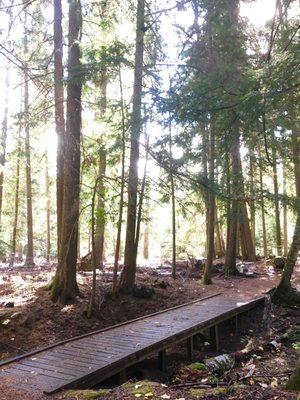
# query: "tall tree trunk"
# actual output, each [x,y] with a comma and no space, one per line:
[173,202]
[3,139]
[231,250]
[64,287]
[29,256]
[204,154]
[146,228]
[48,209]
[16,205]
[100,214]
[246,237]
[276,201]
[252,193]
[285,214]
[59,114]
[121,204]
[212,208]
[262,202]
[129,271]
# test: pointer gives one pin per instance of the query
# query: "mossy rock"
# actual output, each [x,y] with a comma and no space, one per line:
[293,384]
[87,394]
[197,366]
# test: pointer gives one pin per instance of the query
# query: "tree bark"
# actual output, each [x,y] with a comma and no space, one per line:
[100,215]
[16,205]
[285,214]
[252,201]
[64,287]
[212,208]
[276,201]
[48,209]
[59,114]
[262,205]
[129,271]
[173,202]
[29,255]
[233,218]
[121,204]
[146,228]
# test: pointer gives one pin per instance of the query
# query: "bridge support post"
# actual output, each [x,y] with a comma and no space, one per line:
[190,348]
[214,337]
[162,360]
[122,376]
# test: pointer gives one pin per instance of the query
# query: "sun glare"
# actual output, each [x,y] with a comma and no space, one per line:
[258,12]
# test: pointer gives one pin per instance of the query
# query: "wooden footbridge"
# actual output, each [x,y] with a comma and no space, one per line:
[89,359]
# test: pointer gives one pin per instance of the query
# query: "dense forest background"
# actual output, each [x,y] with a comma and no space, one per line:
[143,131]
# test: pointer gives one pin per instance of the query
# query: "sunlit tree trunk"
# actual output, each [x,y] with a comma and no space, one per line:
[29,255]
[121,203]
[64,287]
[219,240]
[59,113]
[128,278]
[16,205]
[262,205]
[276,201]
[211,207]
[48,208]
[173,204]
[146,227]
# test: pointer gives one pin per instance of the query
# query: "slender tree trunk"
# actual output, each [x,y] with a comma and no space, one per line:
[59,113]
[219,241]
[48,209]
[146,228]
[64,287]
[121,204]
[94,265]
[29,256]
[3,139]
[262,202]
[129,271]
[16,205]
[100,217]
[285,215]
[173,200]
[245,235]
[276,202]
[212,208]
[252,193]
[205,175]
[230,259]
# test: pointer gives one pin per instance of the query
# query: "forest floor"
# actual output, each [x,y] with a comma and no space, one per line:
[30,320]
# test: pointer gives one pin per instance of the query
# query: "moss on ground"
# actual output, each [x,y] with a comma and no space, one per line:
[87,394]
[197,366]
[142,389]
[218,391]
[294,381]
